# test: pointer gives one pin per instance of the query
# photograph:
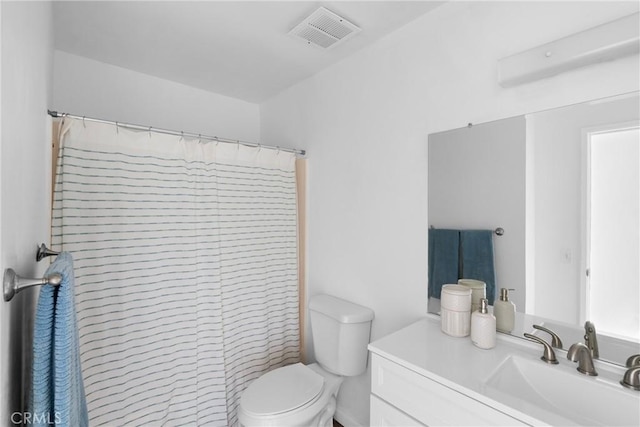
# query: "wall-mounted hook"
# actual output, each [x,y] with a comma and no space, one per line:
[12,283]
[44,252]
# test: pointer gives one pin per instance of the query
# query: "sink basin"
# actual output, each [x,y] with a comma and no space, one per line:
[612,349]
[559,395]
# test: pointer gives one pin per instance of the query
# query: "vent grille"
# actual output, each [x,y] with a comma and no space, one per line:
[324,28]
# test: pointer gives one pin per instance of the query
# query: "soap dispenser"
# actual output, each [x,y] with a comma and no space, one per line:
[505,312]
[483,327]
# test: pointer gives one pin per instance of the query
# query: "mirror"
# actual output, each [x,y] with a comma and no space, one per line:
[564,185]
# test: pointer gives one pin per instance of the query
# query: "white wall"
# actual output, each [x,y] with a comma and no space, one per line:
[90,88]
[365,123]
[24,175]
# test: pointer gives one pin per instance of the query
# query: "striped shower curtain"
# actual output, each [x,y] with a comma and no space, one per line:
[186,270]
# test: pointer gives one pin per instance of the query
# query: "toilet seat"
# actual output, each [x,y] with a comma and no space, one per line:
[282,390]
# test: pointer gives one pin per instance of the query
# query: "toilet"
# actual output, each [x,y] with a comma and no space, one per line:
[305,395]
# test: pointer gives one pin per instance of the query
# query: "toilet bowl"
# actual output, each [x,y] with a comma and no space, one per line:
[294,395]
[305,395]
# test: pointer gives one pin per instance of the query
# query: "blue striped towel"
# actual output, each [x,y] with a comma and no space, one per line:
[57,390]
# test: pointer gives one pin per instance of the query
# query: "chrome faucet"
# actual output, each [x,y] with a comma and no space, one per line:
[549,356]
[555,339]
[580,353]
[590,339]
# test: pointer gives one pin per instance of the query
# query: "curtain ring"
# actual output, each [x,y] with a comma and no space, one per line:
[278,152]
[217,141]
[84,125]
[199,138]
[238,145]
[259,148]
[117,128]
[149,132]
[181,135]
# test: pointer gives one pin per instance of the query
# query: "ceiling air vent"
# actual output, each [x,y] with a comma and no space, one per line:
[324,28]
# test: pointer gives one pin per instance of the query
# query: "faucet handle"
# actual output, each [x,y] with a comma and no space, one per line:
[549,356]
[631,378]
[555,339]
[633,361]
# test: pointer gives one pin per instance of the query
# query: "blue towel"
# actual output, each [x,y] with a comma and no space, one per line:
[57,390]
[476,259]
[443,259]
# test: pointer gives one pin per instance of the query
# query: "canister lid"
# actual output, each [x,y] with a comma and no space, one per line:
[473,283]
[460,290]
[455,297]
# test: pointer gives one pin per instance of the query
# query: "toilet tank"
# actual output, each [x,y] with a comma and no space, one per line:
[340,331]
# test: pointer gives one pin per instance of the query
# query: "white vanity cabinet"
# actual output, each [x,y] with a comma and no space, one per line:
[402,397]
[404,392]
[421,376]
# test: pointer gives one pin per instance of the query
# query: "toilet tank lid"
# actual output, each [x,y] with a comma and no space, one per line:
[340,310]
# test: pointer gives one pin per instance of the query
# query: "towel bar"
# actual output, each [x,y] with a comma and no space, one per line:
[499,231]
[44,251]
[13,283]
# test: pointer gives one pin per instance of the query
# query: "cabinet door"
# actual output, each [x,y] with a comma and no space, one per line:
[385,415]
[430,402]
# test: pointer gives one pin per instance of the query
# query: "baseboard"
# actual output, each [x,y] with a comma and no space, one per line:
[345,419]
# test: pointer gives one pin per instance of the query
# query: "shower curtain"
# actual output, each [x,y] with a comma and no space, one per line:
[186,270]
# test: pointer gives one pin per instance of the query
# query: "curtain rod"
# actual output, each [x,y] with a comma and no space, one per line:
[56,114]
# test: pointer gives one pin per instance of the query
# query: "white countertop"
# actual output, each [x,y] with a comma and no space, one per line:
[456,363]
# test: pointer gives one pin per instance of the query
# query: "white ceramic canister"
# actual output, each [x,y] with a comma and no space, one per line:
[478,291]
[455,310]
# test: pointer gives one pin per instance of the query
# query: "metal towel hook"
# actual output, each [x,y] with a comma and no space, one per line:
[12,283]
[44,252]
